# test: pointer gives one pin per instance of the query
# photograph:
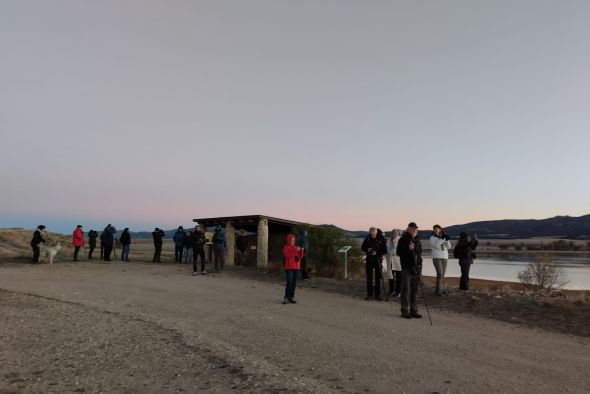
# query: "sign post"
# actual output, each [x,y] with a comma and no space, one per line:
[345,250]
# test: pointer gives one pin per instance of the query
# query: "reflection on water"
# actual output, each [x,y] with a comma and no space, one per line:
[577,270]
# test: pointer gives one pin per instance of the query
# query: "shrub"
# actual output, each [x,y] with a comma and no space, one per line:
[543,275]
[324,243]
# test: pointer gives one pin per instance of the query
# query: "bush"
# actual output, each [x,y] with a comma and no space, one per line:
[543,275]
[324,243]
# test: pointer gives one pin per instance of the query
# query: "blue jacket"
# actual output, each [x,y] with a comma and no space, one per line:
[179,238]
[109,233]
[219,240]
[303,242]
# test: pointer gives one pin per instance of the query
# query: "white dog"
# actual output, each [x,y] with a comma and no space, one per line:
[51,251]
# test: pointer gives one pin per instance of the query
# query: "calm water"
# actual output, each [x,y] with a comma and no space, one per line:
[577,270]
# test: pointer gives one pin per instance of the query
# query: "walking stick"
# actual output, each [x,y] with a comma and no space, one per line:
[424,296]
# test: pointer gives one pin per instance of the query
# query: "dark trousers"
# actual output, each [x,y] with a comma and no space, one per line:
[101,251]
[395,284]
[157,253]
[219,256]
[76,251]
[291,283]
[198,252]
[464,281]
[178,250]
[241,257]
[90,250]
[107,252]
[373,266]
[36,253]
[304,268]
[410,284]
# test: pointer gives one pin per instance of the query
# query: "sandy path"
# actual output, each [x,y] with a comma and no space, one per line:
[325,343]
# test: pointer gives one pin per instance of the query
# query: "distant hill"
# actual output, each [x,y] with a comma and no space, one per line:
[558,226]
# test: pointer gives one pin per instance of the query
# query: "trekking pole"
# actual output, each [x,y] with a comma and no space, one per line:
[424,296]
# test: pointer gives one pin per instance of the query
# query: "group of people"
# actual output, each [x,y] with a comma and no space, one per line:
[403,256]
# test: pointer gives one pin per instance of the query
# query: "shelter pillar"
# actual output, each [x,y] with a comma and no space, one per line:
[230,239]
[262,244]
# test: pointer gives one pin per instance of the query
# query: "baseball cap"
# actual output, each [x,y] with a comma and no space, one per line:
[412,225]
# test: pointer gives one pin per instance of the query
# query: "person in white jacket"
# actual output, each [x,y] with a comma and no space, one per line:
[440,244]
[394,268]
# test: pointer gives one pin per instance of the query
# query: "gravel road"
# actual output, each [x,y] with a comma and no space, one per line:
[136,327]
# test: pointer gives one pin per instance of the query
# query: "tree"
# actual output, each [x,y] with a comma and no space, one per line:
[324,244]
[543,275]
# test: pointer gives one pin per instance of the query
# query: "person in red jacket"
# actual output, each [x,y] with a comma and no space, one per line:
[293,255]
[77,240]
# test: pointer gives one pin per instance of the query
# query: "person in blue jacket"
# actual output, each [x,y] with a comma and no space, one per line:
[179,237]
[303,243]
[108,240]
[219,245]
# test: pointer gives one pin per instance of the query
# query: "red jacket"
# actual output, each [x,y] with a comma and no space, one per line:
[78,237]
[292,255]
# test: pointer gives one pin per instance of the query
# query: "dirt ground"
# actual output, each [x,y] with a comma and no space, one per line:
[143,327]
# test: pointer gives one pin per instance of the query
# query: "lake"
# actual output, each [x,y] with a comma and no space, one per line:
[576,269]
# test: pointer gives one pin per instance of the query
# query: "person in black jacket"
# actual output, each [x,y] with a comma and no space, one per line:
[464,252]
[409,250]
[198,242]
[375,249]
[36,241]
[92,235]
[108,241]
[157,235]
[125,241]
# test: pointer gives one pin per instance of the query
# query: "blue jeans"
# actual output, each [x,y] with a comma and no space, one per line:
[291,283]
[125,252]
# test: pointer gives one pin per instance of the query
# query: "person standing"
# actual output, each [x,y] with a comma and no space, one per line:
[375,248]
[36,241]
[198,245]
[409,250]
[219,245]
[242,246]
[92,235]
[188,247]
[77,240]
[125,241]
[292,260]
[158,235]
[464,253]
[102,246]
[394,268]
[108,241]
[178,238]
[440,245]
[303,243]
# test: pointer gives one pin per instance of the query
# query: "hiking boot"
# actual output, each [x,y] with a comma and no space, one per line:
[397,295]
[195,273]
[378,299]
[292,301]
[285,301]
[415,315]
[406,315]
[203,272]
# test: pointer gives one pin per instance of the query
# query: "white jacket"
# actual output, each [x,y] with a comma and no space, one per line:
[393,263]
[440,247]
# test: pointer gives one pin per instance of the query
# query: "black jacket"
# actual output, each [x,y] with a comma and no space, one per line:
[125,238]
[410,260]
[92,235]
[377,244]
[242,243]
[463,251]
[37,238]
[157,236]
[196,240]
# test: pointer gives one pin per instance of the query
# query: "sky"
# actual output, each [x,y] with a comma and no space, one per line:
[354,113]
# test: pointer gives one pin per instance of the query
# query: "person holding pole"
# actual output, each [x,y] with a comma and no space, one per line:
[409,250]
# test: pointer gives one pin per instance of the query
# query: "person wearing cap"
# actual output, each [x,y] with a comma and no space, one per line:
[125,241]
[375,248]
[179,237]
[440,245]
[409,250]
[77,240]
[157,236]
[219,245]
[36,241]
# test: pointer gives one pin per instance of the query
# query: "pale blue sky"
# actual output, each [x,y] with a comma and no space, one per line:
[355,113]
